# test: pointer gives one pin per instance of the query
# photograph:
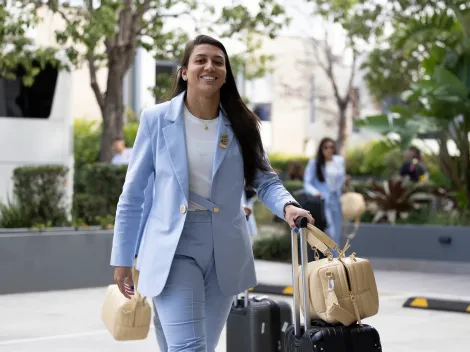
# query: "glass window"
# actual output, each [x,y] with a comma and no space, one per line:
[18,100]
[263,111]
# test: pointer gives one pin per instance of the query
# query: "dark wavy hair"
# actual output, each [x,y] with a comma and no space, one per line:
[320,161]
[245,124]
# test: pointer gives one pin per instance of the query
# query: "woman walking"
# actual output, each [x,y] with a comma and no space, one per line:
[324,177]
[200,147]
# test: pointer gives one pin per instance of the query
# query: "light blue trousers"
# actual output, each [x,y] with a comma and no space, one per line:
[191,309]
[334,217]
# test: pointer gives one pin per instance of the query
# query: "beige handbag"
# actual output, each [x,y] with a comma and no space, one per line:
[342,290]
[126,319]
[353,205]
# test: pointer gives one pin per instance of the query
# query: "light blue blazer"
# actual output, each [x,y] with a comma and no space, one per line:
[160,153]
[312,184]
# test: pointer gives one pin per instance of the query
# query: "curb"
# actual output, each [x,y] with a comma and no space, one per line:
[438,304]
[273,289]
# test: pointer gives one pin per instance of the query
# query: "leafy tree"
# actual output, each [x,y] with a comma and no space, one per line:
[16,48]
[106,34]
[237,23]
[360,23]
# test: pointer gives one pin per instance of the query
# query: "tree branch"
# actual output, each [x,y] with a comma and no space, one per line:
[94,82]
[351,79]
[141,31]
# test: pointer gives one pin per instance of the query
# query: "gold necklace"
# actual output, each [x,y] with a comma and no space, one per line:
[206,124]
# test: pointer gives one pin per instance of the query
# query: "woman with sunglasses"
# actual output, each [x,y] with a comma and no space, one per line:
[324,177]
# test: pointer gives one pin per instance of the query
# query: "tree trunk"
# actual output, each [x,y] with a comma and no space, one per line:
[342,131]
[113,109]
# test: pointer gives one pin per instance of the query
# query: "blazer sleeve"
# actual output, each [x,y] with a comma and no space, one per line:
[130,205]
[310,178]
[270,190]
[146,211]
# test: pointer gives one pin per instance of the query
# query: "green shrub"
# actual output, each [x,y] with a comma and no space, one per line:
[13,215]
[293,186]
[380,158]
[280,162]
[40,191]
[273,247]
[130,132]
[102,187]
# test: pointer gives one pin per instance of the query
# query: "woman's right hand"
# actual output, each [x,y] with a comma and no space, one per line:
[123,278]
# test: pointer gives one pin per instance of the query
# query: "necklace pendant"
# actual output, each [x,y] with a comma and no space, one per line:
[206,127]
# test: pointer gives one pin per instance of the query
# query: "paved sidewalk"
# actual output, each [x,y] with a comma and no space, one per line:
[63,321]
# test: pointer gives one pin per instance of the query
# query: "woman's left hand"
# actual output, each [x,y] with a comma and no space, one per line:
[293,212]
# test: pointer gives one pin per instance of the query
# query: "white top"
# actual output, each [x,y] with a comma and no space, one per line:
[200,149]
[332,171]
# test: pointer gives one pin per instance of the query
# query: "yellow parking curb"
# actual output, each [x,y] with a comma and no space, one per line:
[438,304]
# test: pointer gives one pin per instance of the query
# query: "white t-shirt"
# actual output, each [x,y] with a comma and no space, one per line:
[200,149]
[332,171]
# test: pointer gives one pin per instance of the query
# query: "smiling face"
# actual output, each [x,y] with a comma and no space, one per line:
[205,72]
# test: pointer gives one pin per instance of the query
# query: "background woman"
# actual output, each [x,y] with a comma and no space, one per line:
[324,177]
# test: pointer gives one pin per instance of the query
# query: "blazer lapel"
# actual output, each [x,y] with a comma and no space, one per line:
[225,137]
[175,140]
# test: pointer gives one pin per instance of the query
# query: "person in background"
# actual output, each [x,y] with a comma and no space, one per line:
[324,177]
[122,154]
[413,167]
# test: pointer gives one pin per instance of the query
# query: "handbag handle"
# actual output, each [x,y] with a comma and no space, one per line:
[323,237]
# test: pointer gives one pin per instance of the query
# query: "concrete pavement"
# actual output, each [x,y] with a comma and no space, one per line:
[70,320]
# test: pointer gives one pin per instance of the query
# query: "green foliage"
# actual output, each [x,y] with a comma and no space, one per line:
[16,48]
[130,132]
[102,187]
[13,215]
[396,199]
[41,192]
[293,186]
[380,158]
[86,142]
[403,121]
[388,71]
[280,162]
[273,247]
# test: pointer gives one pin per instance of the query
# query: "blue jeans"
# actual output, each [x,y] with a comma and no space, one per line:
[334,217]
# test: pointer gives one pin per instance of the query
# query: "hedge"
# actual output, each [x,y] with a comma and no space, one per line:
[102,186]
[39,197]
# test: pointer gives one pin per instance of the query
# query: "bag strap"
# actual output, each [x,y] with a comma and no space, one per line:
[333,308]
[135,279]
[357,221]
[323,237]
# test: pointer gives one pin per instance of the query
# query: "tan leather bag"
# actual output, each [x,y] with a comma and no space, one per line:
[126,319]
[342,290]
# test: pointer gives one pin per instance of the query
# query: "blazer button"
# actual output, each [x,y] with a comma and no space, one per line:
[182,208]
[216,209]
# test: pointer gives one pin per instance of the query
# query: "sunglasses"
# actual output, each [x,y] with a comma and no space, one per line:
[326,147]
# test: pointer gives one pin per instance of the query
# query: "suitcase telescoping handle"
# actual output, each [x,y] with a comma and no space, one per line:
[245,300]
[301,227]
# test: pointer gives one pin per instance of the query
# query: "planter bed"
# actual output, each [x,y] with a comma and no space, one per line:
[414,247]
[54,259]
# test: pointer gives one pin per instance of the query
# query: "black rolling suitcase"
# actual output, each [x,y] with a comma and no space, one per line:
[256,324]
[317,335]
